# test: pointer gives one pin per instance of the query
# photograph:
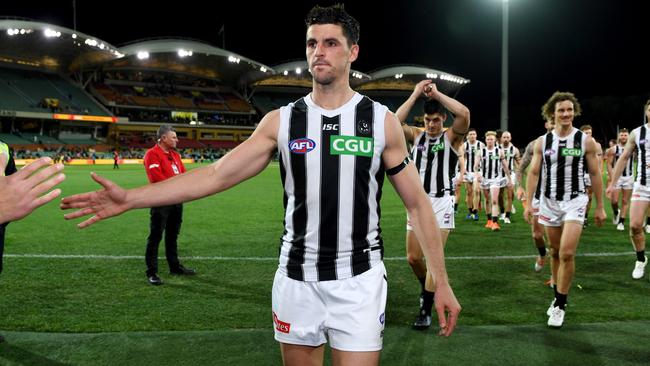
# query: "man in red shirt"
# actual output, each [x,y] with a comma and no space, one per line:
[162,162]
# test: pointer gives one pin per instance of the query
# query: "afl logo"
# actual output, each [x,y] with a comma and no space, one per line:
[549,152]
[301,146]
[643,141]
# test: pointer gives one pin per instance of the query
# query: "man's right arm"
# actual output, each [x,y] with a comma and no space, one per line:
[243,162]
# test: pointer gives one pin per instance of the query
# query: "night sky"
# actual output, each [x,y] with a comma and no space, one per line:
[590,47]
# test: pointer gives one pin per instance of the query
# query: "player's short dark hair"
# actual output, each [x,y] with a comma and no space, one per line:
[335,14]
[432,106]
[471,129]
[163,129]
[585,127]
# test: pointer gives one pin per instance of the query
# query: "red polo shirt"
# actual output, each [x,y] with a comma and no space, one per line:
[161,165]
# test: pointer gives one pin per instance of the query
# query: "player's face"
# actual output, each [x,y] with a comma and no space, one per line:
[505,138]
[490,140]
[588,132]
[328,54]
[647,113]
[622,137]
[433,123]
[564,113]
[471,136]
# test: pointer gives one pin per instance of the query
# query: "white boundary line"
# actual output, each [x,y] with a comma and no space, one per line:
[265,259]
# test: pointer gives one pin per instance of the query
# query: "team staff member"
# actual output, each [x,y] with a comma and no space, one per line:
[162,162]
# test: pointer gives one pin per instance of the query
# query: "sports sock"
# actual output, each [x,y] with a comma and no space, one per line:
[560,300]
[640,256]
[542,251]
[427,304]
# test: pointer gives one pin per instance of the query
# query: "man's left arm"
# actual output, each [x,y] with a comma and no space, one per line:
[406,181]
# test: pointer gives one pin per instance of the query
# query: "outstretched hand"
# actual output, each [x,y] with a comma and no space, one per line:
[107,202]
[447,308]
[24,191]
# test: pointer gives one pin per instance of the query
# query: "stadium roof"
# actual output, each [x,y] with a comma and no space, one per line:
[45,46]
[404,77]
[190,56]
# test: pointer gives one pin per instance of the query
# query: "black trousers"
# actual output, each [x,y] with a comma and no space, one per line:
[2,242]
[165,219]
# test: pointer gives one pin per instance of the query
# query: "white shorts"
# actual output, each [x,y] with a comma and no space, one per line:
[640,193]
[587,180]
[494,183]
[443,208]
[554,213]
[469,177]
[625,183]
[349,312]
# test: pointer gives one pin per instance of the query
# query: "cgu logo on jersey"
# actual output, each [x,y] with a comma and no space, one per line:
[495,157]
[301,146]
[351,145]
[437,147]
[565,151]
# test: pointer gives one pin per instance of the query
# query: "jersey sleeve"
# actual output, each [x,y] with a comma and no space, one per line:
[153,167]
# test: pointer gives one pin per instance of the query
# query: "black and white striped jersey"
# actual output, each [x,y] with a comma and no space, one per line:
[563,165]
[332,174]
[472,152]
[629,166]
[491,167]
[642,141]
[436,161]
[509,155]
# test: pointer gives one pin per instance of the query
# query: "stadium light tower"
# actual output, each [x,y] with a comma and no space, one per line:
[504,67]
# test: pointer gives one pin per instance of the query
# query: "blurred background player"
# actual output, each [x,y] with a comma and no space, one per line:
[639,143]
[471,150]
[624,184]
[587,130]
[536,227]
[494,176]
[512,156]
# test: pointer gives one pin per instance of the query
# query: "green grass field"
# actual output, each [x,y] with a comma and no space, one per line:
[80,297]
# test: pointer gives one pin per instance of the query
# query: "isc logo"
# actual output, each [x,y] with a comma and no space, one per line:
[301,146]
[351,145]
[331,127]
